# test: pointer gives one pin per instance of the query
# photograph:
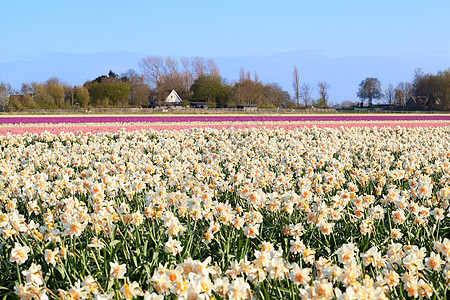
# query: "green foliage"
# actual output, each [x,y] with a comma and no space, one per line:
[55,92]
[28,102]
[211,89]
[434,88]
[247,91]
[109,91]
[96,91]
[139,90]
[82,96]
[42,96]
[320,103]
[197,79]
[118,93]
[15,104]
[185,102]
[4,94]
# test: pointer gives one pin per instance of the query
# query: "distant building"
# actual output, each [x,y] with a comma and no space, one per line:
[417,102]
[171,98]
[174,98]
[247,107]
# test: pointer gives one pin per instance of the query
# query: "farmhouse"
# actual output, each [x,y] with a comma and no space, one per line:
[417,102]
[170,98]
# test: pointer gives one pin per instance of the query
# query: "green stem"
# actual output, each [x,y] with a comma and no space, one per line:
[18,274]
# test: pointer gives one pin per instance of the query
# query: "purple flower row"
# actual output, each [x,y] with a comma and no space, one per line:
[205,118]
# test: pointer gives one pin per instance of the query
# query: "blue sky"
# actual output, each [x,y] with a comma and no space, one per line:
[339,42]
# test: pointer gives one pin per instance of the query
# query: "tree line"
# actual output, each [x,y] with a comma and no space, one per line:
[199,80]
[194,79]
[426,91]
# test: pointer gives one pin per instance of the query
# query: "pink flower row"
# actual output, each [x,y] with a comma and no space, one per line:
[287,126]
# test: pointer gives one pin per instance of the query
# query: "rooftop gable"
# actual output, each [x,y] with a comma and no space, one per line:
[173,97]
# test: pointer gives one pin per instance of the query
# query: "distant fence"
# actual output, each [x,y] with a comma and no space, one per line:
[182,110]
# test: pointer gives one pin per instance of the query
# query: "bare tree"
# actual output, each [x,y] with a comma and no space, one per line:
[305,93]
[407,90]
[276,96]
[198,66]
[322,102]
[256,77]
[187,76]
[165,74]
[212,68]
[389,94]
[323,90]
[296,85]
[171,66]
[242,74]
[153,70]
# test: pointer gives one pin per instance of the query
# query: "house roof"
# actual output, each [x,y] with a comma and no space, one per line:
[173,97]
[169,96]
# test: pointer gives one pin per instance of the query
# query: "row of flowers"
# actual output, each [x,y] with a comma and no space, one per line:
[222,118]
[312,213]
[224,123]
[114,127]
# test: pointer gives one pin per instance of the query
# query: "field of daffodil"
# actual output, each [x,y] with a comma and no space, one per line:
[204,213]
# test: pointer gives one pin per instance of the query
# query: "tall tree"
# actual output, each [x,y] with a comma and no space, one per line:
[424,87]
[322,102]
[27,88]
[5,92]
[370,88]
[296,86]
[443,98]
[389,94]
[28,102]
[201,66]
[55,91]
[247,91]
[153,69]
[399,97]
[277,96]
[188,77]
[166,74]
[139,90]
[407,90]
[81,95]
[305,93]
[42,97]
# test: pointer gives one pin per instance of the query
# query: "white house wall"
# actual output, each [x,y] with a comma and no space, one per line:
[173,97]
